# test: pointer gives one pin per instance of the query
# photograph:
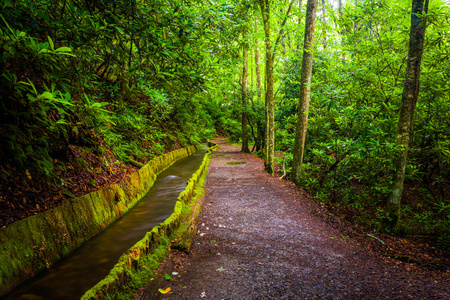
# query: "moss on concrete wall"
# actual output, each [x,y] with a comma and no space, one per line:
[33,244]
[137,265]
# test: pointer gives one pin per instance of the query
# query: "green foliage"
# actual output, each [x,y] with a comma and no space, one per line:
[356,94]
[125,72]
[142,77]
[443,213]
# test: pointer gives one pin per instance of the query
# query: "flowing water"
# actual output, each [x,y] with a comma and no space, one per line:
[71,277]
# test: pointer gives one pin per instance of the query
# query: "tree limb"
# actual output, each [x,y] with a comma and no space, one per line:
[281,28]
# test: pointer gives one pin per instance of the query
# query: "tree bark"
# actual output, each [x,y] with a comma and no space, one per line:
[324,22]
[244,99]
[390,220]
[305,91]
[282,36]
[299,21]
[258,72]
[270,111]
[258,141]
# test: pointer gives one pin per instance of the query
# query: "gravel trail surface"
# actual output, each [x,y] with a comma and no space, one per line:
[258,238]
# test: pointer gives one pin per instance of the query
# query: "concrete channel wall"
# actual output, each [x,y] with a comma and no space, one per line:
[30,245]
[137,266]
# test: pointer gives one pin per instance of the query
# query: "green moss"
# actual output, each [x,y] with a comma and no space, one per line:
[139,277]
[136,266]
[186,210]
[235,162]
[33,244]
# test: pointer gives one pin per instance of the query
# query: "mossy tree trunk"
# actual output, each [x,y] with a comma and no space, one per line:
[390,220]
[324,24]
[299,21]
[244,97]
[269,96]
[305,91]
[258,142]
[258,71]
[269,105]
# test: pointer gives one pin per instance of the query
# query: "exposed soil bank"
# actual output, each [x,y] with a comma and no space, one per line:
[32,244]
[258,239]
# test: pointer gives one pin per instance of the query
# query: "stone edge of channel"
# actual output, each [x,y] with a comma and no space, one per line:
[32,244]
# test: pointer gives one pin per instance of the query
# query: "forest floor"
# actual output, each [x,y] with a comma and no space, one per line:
[260,237]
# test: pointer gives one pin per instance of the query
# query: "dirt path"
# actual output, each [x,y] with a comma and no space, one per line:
[258,239]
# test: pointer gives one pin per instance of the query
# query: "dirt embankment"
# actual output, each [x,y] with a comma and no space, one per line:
[258,238]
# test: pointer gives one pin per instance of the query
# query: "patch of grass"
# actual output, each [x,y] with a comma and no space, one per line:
[236,162]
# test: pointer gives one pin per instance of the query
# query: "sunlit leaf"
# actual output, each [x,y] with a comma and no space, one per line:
[164,291]
[50,41]
[63,49]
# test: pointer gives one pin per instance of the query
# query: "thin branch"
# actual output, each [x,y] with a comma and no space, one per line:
[281,28]
[374,237]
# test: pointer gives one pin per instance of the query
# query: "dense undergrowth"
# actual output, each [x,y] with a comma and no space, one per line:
[90,91]
[351,137]
[93,89]
[358,72]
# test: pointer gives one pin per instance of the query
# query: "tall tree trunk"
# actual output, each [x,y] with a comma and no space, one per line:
[324,22]
[258,72]
[244,99]
[341,31]
[270,111]
[269,97]
[390,220]
[282,35]
[258,142]
[299,21]
[252,73]
[305,91]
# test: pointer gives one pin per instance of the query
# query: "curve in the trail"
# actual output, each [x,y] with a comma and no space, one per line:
[74,275]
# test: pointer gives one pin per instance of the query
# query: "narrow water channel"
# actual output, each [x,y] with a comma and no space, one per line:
[71,277]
